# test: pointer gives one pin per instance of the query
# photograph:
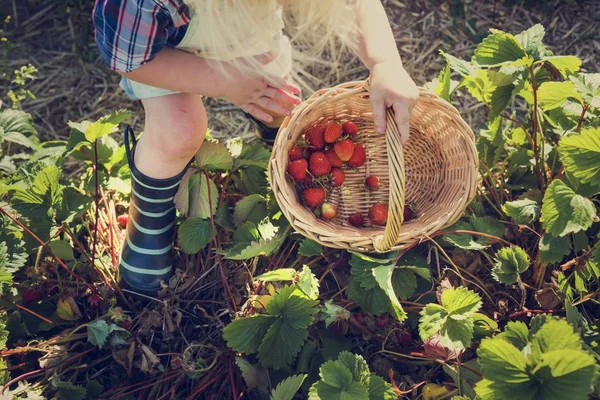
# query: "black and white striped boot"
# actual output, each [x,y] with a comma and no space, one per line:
[147,252]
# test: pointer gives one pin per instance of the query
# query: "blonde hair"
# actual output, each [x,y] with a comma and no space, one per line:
[235,30]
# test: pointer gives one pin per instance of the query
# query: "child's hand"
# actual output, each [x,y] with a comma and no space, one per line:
[392,87]
[260,96]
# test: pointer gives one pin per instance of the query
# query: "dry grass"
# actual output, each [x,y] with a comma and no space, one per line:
[73,84]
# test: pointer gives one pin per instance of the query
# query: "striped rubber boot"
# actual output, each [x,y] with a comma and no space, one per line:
[147,253]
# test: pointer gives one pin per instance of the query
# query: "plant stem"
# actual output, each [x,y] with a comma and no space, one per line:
[20,307]
[538,172]
[585,108]
[95,202]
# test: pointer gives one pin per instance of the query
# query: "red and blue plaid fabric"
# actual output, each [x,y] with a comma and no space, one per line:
[130,33]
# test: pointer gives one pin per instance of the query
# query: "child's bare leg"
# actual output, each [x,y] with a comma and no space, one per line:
[174,130]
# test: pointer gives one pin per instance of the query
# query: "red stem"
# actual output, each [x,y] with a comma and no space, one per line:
[233,386]
[47,248]
[113,255]
[585,108]
[27,310]
[522,312]
[95,202]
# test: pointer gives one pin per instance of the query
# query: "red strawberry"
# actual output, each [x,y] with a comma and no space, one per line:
[381,321]
[328,211]
[95,300]
[359,157]
[378,214]
[332,132]
[350,128]
[372,183]
[404,336]
[409,212]
[296,152]
[344,149]
[318,164]
[337,177]
[298,169]
[313,196]
[122,220]
[125,324]
[333,159]
[315,136]
[357,220]
[31,295]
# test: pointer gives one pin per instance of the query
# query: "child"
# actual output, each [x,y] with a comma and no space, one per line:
[172,52]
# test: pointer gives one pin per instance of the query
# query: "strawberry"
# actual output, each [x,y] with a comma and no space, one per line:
[372,183]
[296,152]
[125,324]
[332,132]
[318,164]
[328,211]
[31,295]
[315,136]
[95,300]
[381,321]
[313,196]
[409,212]
[349,128]
[122,220]
[378,214]
[356,220]
[359,157]
[344,149]
[298,169]
[337,177]
[333,159]
[404,336]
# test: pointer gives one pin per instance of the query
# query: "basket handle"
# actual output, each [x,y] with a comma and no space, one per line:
[397,183]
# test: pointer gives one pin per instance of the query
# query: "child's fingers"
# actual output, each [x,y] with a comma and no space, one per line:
[271,105]
[402,117]
[379,114]
[283,84]
[256,112]
[280,95]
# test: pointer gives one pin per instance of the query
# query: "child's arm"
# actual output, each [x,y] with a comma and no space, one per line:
[184,72]
[391,86]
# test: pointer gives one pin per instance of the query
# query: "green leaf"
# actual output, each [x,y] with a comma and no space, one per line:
[373,301]
[460,301]
[444,83]
[566,65]
[464,68]
[68,391]
[433,317]
[589,87]
[531,39]
[553,95]
[17,127]
[524,211]
[287,388]
[334,313]
[281,274]
[246,334]
[483,326]
[308,283]
[566,374]
[213,156]
[502,362]
[244,207]
[553,249]
[253,156]
[516,333]
[565,212]
[62,249]
[254,376]
[554,335]
[580,155]
[201,204]
[383,276]
[93,390]
[498,48]
[309,248]
[194,234]
[379,389]
[98,332]
[510,262]
[404,283]
[487,225]
[335,374]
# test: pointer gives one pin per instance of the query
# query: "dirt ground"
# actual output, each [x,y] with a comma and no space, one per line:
[57,37]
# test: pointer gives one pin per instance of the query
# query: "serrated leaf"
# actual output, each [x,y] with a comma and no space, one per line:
[373,301]
[524,211]
[404,283]
[17,126]
[244,207]
[433,317]
[194,234]
[531,39]
[98,332]
[566,65]
[464,68]
[589,87]
[379,389]
[460,301]
[335,374]
[501,361]
[253,156]
[565,212]
[308,283]
[64,310]
[516,333]
[62,249]
[288,387]
[281,274]
[68,391]
[309,248]
[497,48]
[554,335]
[203,204]
[553,249]
[457,334]
[213,156]
[383,276]
[488,225]
[580,155]
[246,334]
[254,376]
[510,262]
[552,95]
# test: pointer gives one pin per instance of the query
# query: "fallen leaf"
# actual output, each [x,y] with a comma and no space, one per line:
[548,296]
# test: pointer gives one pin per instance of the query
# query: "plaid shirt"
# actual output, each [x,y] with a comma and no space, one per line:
[130,33]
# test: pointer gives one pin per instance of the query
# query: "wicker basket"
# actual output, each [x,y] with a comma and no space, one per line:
[436,170]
